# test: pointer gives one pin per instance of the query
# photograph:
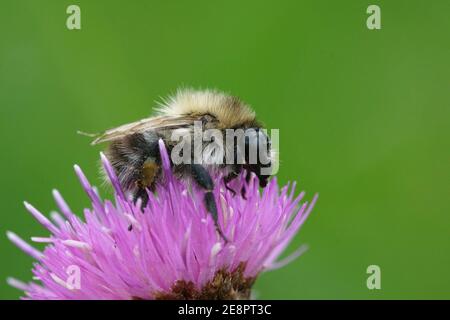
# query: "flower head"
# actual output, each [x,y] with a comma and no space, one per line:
[168,250]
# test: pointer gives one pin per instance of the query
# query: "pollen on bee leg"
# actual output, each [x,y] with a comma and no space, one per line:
[149,171]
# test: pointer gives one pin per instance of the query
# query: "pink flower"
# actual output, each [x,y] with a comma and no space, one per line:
[170,250]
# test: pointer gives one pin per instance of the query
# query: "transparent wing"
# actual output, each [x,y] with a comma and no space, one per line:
[153,123]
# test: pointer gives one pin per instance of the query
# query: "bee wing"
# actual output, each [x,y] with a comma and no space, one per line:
[153,123]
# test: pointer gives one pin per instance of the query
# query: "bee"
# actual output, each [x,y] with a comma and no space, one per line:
[134,154]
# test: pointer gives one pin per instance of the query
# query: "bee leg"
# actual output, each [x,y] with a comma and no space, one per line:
[142,194]
[204,180]
[228,188]
[148,173]
[247,179]
[230,177]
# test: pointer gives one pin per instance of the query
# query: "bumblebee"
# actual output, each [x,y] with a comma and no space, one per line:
[134,150]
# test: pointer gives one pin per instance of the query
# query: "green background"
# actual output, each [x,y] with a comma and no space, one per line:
[363,118]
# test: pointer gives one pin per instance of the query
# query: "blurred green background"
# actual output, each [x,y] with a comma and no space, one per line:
[363,118]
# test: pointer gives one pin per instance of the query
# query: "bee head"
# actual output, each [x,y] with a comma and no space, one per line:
[258,149]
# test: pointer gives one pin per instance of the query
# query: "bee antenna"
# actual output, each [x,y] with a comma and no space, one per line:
[87,134]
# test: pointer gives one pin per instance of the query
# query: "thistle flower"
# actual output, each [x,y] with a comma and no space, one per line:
[168,250]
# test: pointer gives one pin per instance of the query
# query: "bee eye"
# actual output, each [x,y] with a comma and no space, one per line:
[257,146]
